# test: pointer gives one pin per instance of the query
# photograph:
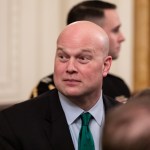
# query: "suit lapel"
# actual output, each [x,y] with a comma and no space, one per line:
[55,125]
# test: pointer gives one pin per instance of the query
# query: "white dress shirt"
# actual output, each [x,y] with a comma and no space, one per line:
[72,113]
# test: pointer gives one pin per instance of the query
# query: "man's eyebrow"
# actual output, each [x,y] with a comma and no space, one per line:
[60,49]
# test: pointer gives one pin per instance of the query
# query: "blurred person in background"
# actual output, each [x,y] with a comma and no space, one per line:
[127,127]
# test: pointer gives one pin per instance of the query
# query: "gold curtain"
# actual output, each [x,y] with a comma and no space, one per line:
[141,45]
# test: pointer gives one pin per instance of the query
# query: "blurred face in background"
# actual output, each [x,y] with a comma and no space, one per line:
[111,24]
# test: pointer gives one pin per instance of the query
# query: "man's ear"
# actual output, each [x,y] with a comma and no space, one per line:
[107,65]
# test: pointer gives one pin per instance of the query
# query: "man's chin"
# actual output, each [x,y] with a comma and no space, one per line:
[72,93]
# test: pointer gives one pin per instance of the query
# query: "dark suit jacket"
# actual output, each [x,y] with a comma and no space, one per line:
[38,124]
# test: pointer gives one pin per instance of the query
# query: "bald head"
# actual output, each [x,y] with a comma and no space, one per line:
[87,31]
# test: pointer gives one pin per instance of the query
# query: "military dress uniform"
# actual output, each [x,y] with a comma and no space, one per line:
[113,86]
[45,84]
[116,88]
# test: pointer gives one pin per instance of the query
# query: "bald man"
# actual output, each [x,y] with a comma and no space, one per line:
[52,121]
[106,16]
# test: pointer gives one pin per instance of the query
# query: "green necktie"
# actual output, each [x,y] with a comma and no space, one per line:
[85,140]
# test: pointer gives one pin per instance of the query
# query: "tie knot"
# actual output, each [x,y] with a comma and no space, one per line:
[86,117]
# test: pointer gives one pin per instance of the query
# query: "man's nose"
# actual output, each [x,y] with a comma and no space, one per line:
[71,66]
[121,37]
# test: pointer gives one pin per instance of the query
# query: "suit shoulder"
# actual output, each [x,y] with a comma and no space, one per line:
[31,107]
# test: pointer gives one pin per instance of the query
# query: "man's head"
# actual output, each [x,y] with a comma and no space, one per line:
[81,60]
[127,127]
[103,14]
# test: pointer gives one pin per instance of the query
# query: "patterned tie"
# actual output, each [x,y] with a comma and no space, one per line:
[85,140]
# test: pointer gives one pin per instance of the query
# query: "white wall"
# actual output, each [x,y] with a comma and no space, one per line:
[29,29]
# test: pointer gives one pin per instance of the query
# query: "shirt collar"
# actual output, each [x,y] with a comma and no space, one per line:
[72,111]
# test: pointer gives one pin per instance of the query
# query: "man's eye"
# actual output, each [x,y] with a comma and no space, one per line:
[84,59]
[116,30]
[62,58]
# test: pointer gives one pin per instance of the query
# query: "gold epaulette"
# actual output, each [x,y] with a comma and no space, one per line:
[51,86]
